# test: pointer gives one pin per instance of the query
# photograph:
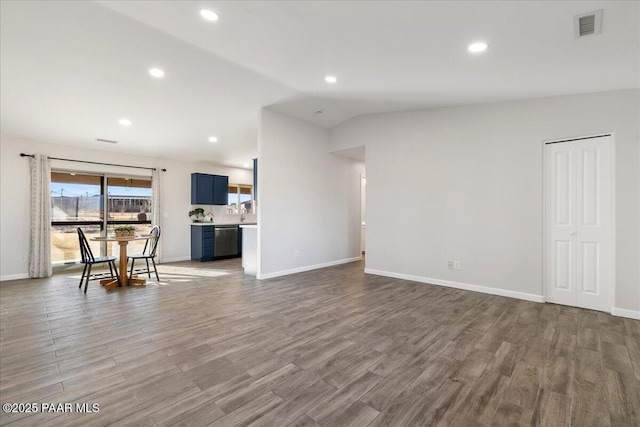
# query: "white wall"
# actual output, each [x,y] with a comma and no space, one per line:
[465,183]
[15,195]
[309,199]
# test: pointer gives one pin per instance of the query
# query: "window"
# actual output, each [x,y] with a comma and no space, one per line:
[240,195]
[77,200]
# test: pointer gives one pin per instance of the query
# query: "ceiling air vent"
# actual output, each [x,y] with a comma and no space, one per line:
[588,23]
[106,140]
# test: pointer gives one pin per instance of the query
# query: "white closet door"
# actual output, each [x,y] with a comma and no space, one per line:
[560,233]
[578,250]
[594,246]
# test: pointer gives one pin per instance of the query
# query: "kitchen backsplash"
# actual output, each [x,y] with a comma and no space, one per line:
[234,219]
[221,215]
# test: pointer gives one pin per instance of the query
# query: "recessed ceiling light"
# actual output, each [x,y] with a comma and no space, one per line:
[331,79]
[213,139]
[125,122]
[246,165]
[209,15]
[156,72]
[477,47]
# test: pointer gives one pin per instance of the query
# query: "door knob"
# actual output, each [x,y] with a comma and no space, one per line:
[573,233]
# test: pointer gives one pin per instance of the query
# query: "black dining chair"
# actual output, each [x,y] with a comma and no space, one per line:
[148,253]
[89,260]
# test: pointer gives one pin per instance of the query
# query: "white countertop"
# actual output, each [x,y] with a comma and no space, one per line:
[248,225]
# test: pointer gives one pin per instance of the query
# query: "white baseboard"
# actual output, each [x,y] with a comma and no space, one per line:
[14,277]
[458,285]
[623,312]
[182,258]
[307,268]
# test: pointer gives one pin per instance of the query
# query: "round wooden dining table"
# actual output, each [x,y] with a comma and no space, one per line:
[123,241]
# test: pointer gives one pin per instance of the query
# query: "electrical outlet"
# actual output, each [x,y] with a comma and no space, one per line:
[456,265]
[450,265]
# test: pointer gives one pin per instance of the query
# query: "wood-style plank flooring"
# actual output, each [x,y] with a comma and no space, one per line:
[331,347]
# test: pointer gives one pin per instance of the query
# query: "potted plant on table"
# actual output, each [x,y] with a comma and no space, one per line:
[125,230]
[121,230]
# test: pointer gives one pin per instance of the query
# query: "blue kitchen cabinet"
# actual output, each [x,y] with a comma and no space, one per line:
[202,242]
[220,190]
[209,189]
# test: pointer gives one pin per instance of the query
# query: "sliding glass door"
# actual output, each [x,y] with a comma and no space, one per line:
[78,200]
[128,203]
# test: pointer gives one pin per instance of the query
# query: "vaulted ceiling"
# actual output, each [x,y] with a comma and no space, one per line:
[70,70]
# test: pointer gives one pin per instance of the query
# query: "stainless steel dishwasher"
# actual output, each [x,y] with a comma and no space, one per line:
[226,241]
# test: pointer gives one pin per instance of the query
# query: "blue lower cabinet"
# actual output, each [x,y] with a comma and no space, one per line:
[202,242]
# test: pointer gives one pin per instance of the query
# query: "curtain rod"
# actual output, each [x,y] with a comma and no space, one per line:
[93,163]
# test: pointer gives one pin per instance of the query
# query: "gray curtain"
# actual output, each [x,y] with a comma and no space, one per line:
[40,242]
[155,209]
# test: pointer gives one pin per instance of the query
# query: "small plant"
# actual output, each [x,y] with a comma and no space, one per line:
[125,230]
[197,214]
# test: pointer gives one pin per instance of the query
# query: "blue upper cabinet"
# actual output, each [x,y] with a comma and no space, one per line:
[209,189]
[220,190]
[201,189]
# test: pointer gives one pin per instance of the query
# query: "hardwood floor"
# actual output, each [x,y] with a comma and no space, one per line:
[331,347]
